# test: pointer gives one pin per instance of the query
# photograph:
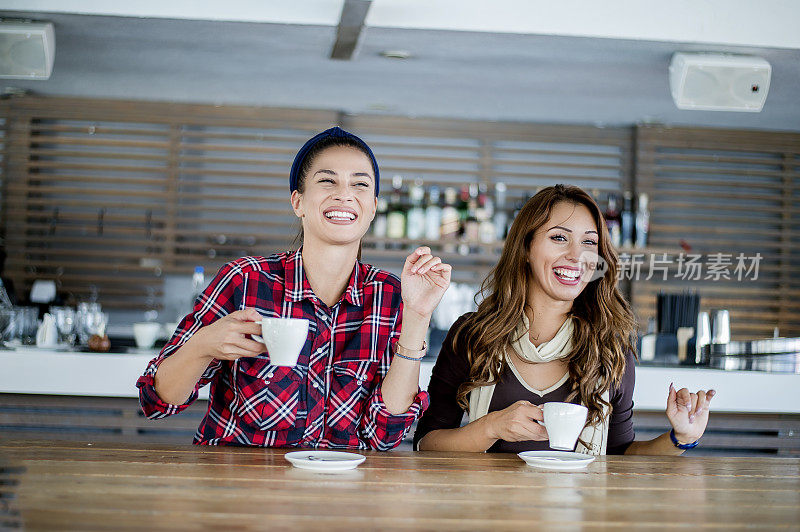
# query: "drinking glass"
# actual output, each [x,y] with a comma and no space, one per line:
[66,323]
[27,319]
[7,322]
[95,323]
[85,318]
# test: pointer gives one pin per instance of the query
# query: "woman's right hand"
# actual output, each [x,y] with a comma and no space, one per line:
[226,338]
[517,423]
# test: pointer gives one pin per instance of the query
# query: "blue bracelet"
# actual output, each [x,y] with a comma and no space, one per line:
[680,445]
[409,358]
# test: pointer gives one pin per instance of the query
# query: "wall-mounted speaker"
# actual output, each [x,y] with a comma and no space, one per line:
[719,82]
[27,49]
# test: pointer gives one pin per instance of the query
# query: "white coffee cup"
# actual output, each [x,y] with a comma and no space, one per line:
[284,338]
[564,423]
[146,333]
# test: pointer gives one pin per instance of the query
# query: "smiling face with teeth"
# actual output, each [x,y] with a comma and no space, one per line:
[560,253]
[337,202]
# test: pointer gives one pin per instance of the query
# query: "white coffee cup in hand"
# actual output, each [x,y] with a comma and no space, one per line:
[564,423]
[284,338]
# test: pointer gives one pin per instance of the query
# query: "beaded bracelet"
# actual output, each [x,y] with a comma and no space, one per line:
[680,445]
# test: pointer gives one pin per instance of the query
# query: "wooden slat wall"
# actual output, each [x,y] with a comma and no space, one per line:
[110,195]
[107,196]
[730,192]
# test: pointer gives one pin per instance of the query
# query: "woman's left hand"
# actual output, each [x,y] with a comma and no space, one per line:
[688,412]
[424,280]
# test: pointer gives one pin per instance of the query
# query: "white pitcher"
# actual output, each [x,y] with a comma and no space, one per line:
[47,334]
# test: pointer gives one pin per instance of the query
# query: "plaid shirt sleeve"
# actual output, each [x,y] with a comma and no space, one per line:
[216,301]
[379,427]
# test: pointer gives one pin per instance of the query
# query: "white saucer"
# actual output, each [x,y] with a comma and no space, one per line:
[556,460]
[324,460]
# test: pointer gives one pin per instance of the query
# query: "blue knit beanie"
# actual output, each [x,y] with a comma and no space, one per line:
[334,132]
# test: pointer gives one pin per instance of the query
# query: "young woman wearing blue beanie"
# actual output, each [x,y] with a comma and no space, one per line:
[355,384]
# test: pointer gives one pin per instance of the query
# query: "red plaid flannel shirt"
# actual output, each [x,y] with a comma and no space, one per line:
[332,397]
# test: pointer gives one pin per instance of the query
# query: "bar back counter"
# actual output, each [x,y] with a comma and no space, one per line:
[47,394]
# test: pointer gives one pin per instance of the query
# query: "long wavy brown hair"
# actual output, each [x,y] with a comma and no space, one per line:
[604,322]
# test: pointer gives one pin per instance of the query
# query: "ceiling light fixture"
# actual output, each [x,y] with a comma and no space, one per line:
[396,54]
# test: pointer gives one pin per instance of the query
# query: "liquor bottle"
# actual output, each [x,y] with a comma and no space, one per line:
[486,231]
[463,207]
[433,216]
[485,203]
[450,220]
[612,220]
[471,224]
[380,224]
[415,224]
[396,218]
[500,214]
[626,220]
[642,221]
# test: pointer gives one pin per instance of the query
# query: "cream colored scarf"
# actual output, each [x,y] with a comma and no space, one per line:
[559,347]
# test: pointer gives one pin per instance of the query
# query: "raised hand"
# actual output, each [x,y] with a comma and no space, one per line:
[424,280]
[688,412]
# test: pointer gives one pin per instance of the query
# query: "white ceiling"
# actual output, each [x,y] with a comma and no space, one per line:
[768,23]
[485,75]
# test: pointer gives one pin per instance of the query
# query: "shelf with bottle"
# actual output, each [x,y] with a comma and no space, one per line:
[459,218]
[467,225]
[627,228]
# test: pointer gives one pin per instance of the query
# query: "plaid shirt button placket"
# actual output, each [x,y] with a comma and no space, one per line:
[332,398]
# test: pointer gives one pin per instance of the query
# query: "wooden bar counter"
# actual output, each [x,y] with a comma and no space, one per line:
[103,486]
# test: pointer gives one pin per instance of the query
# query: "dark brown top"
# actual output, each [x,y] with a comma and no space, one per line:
[452,369]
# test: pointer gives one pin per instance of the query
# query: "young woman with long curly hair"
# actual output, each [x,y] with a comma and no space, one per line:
[552,327]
